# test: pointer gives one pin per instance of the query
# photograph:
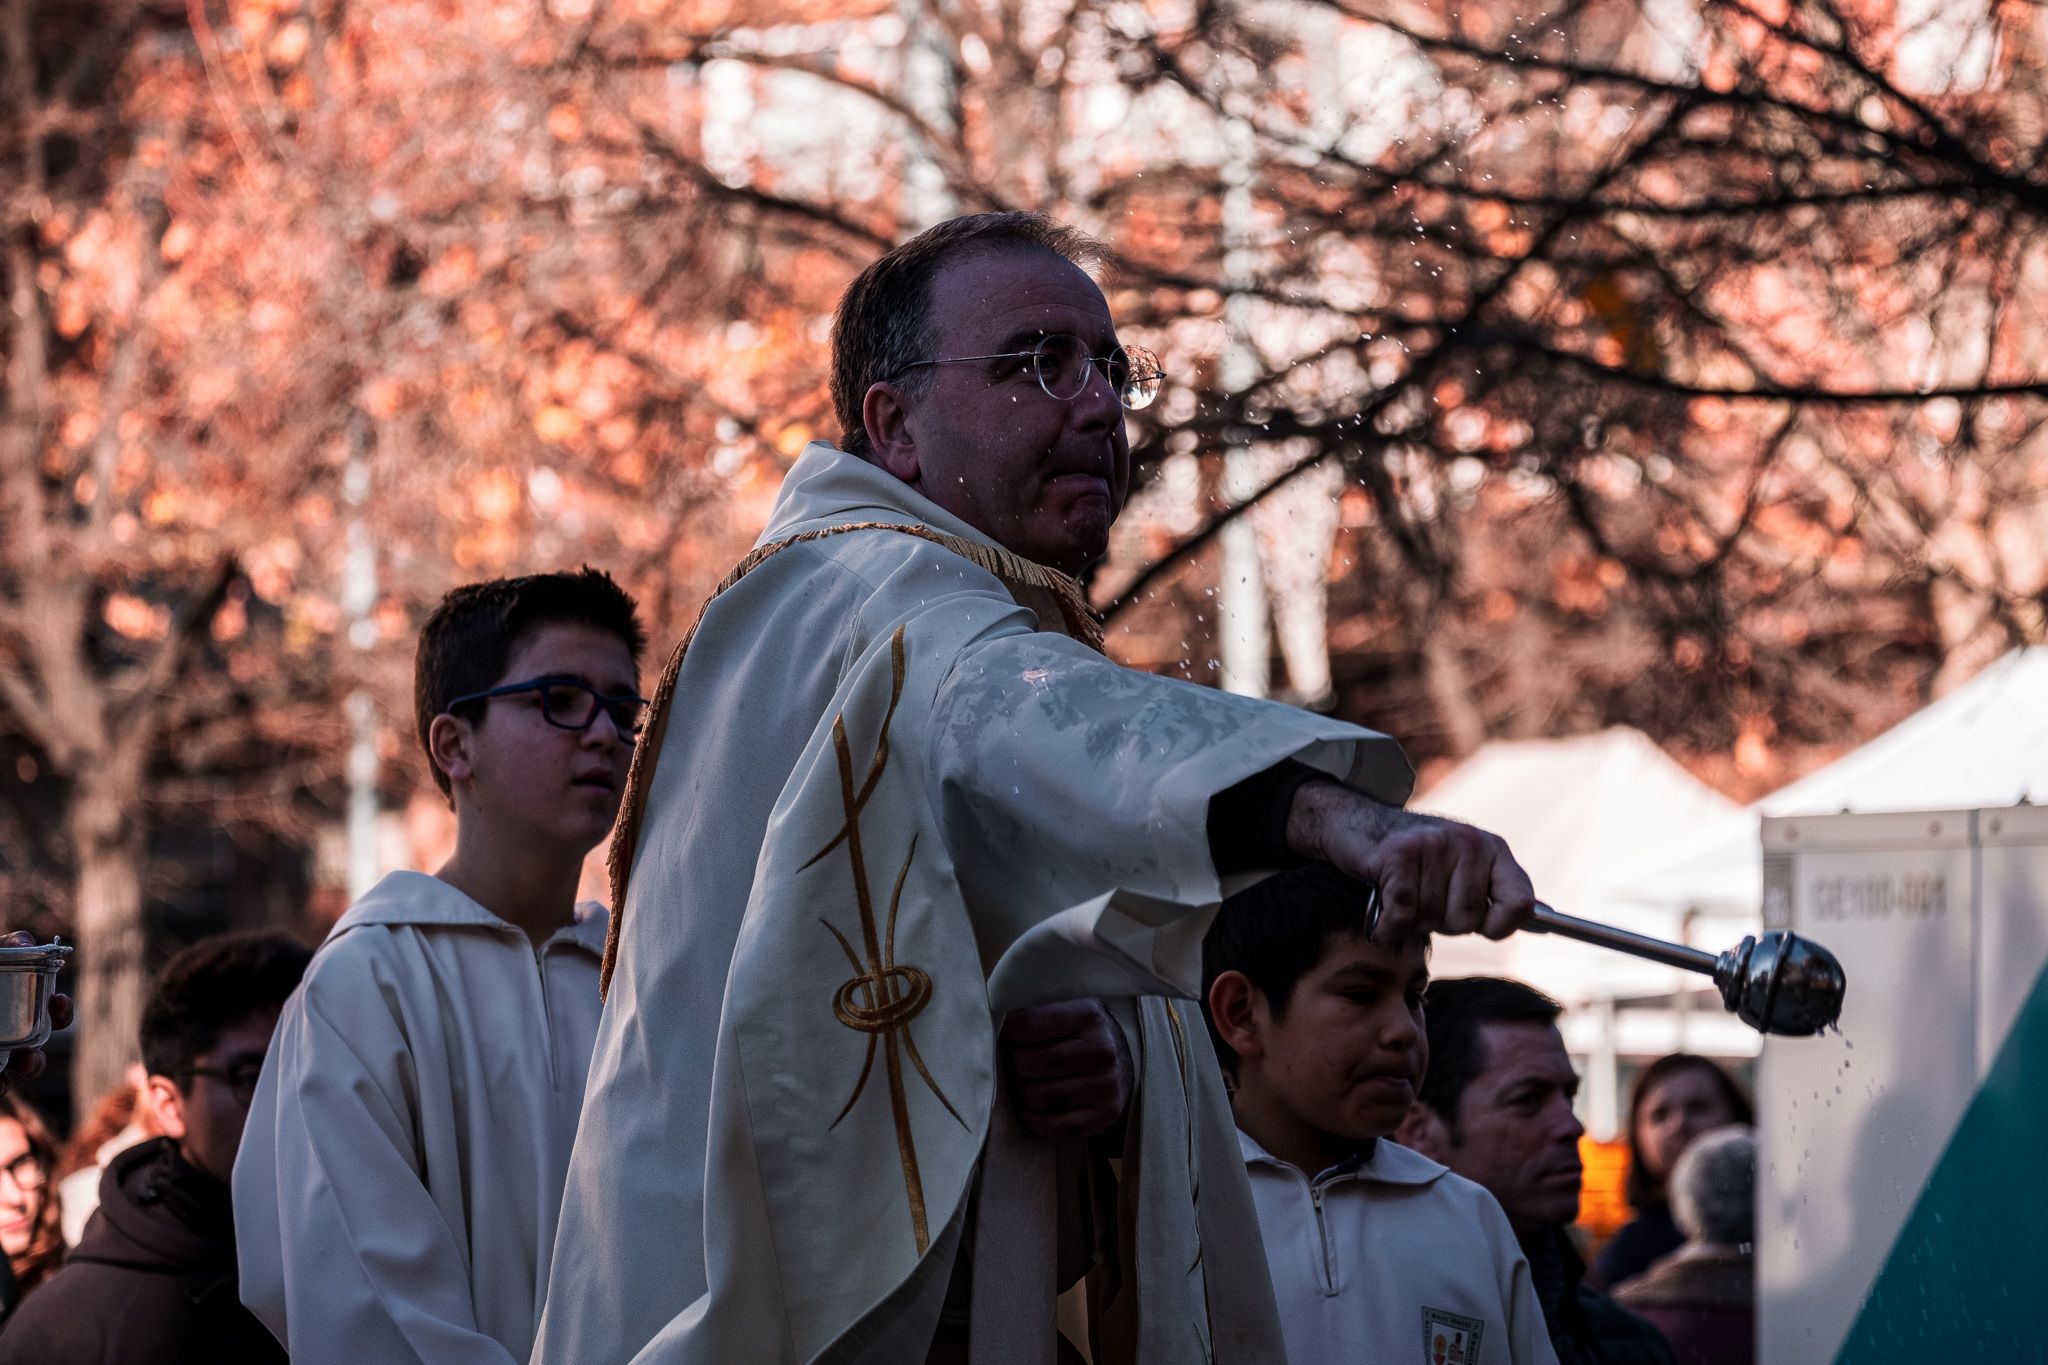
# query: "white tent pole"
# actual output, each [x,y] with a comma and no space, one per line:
[1603,1086]
[1682,1002]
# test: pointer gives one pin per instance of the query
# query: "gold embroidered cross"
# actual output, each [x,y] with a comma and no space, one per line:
[883,996]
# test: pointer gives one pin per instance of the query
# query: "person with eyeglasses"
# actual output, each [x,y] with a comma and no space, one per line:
[909,869]
[31,1240]
[396,1196]
[152,1281]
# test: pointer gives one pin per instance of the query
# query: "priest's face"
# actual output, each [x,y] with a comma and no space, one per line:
[1041,476]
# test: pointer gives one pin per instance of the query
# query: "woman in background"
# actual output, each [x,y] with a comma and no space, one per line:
[29,1232]
[1676,1100]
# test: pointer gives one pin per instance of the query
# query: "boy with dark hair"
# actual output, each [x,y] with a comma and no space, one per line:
[398,1196]
[153,1280]
[467,643]
[1497,1109]
[1370,1244]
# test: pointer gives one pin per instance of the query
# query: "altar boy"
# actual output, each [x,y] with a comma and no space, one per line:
[401,1176]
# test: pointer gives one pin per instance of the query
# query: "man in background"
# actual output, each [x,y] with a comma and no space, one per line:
[1496,1107]
[153,1280]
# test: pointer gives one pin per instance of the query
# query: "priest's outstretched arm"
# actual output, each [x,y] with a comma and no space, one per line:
[1068,1064]
[1059,768]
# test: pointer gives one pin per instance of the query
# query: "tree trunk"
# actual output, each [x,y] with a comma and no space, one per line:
[108,847]
[1443,672]
[1450,687]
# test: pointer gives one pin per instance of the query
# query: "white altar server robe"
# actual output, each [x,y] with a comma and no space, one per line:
[400,1178]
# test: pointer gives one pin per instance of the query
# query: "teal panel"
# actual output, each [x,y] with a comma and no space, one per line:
[1968,1277]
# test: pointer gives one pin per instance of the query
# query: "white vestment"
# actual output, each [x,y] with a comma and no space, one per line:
[887,804]
[400,1178]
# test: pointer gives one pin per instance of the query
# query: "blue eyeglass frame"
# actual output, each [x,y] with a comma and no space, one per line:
[544,685]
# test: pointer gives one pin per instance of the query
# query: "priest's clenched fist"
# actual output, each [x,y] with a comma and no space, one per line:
[1067,1067]
[1433,875]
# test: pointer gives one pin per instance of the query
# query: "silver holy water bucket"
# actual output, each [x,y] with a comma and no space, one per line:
[28,978]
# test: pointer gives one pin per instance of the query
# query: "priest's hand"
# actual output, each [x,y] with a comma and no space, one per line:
[27,1063]
[1433,875]
[1067,1068]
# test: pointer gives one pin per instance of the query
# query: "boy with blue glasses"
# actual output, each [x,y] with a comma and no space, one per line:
[397,1193]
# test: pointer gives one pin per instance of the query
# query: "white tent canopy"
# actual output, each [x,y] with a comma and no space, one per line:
[1984,744]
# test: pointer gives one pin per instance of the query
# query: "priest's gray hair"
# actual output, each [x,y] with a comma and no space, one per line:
[1713,1188]
[885,317]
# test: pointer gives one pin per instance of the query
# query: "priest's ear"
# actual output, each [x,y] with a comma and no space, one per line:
[1239,1012]
[886,416]
[449,749]
[1424,1131]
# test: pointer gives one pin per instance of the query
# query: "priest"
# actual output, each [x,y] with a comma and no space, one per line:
[911,884]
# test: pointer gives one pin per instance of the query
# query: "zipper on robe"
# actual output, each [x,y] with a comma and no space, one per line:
[547,1019]
[540,973]
[1315,1197]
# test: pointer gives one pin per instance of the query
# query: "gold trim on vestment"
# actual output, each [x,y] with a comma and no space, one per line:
[1180,1055]
[883,996]
[1015,571]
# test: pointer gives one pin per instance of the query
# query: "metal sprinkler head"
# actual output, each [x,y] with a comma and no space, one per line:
[1782,984]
